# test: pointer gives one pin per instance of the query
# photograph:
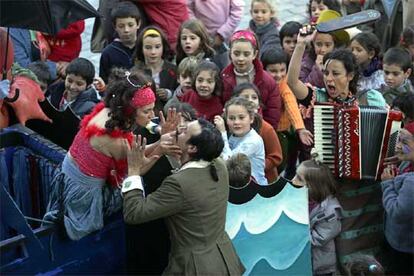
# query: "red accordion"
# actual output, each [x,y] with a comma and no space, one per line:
[354,140]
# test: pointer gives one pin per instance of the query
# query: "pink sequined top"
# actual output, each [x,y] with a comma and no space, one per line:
[92,162]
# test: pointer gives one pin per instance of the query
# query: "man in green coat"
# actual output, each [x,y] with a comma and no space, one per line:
[193,201]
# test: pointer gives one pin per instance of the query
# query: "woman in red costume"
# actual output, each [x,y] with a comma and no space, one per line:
[80,195]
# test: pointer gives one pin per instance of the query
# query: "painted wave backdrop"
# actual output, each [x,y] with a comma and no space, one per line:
[271,235]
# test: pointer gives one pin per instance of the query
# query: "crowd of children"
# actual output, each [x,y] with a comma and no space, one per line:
[258,87]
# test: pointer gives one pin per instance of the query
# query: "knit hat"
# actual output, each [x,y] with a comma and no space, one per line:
[341,36]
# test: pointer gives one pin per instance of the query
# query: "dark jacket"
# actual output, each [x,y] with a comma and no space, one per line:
[267,86]
[115,55]
[195,210]
[81,106]
[397,198]
[268,35]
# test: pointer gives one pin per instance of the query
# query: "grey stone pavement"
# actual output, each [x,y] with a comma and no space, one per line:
[286,10]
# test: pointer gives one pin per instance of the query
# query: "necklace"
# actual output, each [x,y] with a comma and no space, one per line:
[243,74]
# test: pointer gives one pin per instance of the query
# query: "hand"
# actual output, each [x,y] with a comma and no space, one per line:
[388,173]
[306,35]
[172,122]
[218,40]
[168,145]
[99,84]
[138,163]
[219,122]
[162,94]
[319,62]
[305,136]
[393,160]
[61,68]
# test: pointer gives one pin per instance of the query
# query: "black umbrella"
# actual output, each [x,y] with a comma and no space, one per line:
[48,16]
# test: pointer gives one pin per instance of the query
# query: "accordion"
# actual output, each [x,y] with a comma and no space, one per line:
[354,140]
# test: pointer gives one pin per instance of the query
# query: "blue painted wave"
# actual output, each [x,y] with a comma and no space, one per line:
[260,213]
[280,246]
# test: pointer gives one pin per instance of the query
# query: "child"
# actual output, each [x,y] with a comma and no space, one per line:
[66,45]
[185,72]
[41,70]
[322,44]
[273,150]
[239,115]
[126,20]
[366,49]
[194,41]
[316,7]
[397,198]
[246,67]
[275,62]
[151,54]
[288,34]
[76,90]
[407,39]
[397,68]
[364,265]
[264,24]
[206,90]
[324,214]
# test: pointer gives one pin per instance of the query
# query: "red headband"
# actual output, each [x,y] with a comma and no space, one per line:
[143,96]
[244,34]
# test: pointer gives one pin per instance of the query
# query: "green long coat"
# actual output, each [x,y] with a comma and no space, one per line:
[194,206]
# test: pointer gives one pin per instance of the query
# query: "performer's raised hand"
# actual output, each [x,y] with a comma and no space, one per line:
[306,35]
[170,124]
[138,163]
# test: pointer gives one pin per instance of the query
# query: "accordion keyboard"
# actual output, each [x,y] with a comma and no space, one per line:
[324,125]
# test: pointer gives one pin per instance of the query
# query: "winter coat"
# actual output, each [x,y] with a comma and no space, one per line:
[397,198]
[268,35]
[115,55]
[310,73]
[325,225]
[81,106]
[268,88]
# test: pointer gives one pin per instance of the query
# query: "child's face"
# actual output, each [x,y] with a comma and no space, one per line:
[242,55]
[126,29]
[205,84]
[251,95]
[323,43]
[316,10]
[394,76]
[362,56]
[190,42]
[144,114]
[405,146]
[238,120]
[185,82]
[289,44]
[277,70]
[299,179]
[261,13]
[152,49]
[74,85]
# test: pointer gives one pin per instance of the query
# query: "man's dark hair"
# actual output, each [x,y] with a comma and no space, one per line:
[41,70]
[209,142]
[83,68]
[290,28]
[124,10]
